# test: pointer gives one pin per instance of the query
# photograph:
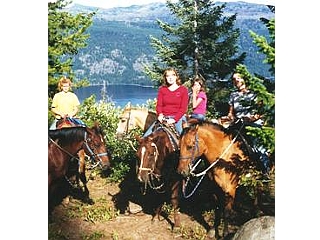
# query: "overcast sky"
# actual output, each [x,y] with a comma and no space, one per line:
[125,3]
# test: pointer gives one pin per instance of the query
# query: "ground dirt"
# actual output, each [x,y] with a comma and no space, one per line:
[115,215]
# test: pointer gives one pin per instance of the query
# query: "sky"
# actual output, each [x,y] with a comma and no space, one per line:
[126,3]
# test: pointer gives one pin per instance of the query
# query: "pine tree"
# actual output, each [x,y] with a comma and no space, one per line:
[202,41]
[264,87]
[66,35]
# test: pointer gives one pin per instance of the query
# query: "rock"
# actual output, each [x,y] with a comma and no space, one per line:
[262,228]
[134,208]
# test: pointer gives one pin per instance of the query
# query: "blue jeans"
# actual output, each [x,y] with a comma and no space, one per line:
[198,116]
[178,126]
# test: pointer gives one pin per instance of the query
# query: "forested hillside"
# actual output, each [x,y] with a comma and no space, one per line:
[119,40]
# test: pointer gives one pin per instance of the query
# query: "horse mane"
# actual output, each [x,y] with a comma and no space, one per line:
[169,149]
[67,135]
[205,123]
[140,108]
[96,127]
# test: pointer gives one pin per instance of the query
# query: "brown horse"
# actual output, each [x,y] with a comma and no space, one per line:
[63,146]
[65,123]
[158,159]
[226,158]
[134,117]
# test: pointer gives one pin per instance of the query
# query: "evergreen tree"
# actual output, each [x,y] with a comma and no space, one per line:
[265,47]
[66,35]
[201,41]
[264,88]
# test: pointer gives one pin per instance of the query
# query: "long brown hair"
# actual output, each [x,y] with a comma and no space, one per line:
[170,69]
[201,82]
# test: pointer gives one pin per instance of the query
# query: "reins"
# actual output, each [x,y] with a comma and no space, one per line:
[61,148]
[85,142]
[151,175]
[193,167]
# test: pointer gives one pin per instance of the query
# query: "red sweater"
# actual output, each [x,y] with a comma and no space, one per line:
[172,103]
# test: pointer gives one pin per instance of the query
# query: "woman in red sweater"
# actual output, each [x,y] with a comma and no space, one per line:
[172,101]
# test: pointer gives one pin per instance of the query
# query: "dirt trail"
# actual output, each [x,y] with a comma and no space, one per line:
[72,218]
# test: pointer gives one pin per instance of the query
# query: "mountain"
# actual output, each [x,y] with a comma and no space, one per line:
[119,40]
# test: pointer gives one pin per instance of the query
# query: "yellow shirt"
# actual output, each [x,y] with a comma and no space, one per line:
[65,102]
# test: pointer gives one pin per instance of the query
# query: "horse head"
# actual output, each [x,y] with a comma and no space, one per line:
[132,118]
[148,154]
[190,150]
[151,153]
[125,123]
[95,147]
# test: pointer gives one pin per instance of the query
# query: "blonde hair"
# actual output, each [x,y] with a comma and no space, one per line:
[64,80]
[171,69]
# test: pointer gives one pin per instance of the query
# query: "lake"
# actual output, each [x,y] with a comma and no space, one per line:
[119,94]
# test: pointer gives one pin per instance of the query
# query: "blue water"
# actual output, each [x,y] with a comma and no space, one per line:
[119,94]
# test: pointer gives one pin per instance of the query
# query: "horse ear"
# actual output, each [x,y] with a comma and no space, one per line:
[128,106]
[138,138]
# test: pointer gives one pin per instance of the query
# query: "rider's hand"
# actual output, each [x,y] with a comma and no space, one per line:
[160,118]
[171,121]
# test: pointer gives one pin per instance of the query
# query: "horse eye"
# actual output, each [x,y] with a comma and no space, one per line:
[189,148]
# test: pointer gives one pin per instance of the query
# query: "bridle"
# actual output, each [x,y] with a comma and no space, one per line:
[92,155]
[152,177]
[194,163]
[128,123]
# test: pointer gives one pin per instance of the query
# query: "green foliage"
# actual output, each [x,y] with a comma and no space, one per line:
[194,232]
[108,117]
[249,180]
[265,47]
[66,35]
[197,35]
[101,211]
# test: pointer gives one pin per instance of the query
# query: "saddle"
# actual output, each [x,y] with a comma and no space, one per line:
[68,122]
[171,131]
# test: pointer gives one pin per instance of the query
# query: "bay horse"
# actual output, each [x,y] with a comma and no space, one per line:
[226,158]
[158,160]
[69,122]
[133,117]
[63,146]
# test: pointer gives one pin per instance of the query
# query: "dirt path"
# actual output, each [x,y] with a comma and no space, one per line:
[108,219]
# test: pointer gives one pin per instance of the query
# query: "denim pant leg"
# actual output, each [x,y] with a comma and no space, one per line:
[54,125]
[149,130]
[179,124]
[198,116]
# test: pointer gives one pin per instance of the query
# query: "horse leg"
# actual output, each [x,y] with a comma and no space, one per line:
[228,210]
[175,204]
[82,176]
[219,200]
